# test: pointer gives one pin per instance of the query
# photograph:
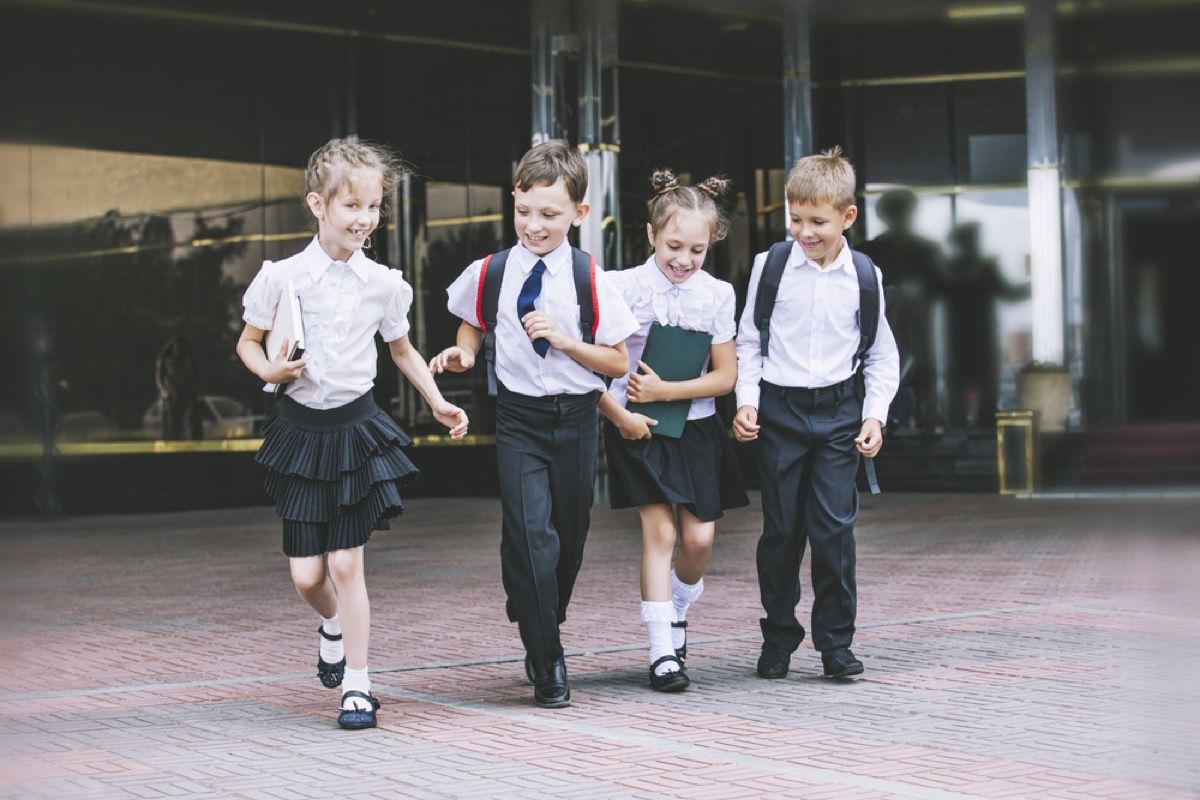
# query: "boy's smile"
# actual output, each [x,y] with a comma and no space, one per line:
[818,228]
[543,215]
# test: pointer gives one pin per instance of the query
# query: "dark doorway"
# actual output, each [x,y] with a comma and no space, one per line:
[1162,283]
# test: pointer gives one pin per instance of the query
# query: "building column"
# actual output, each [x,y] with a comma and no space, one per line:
[550,46]
[1045,204]
[797,82]
[599,131]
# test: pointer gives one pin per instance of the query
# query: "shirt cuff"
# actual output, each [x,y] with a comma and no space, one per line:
[876,410]
[747,395]
[263,323]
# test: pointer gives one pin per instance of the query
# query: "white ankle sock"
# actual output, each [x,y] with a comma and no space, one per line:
[332,651]
[682,597]
[356,680]
[658,617]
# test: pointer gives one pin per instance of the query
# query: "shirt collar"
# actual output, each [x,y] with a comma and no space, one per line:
[554,260]
[843,261]
[317,261]
[660,283]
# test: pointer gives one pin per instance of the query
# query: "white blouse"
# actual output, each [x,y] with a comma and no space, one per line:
[518,366]
[701,303]
[343,304]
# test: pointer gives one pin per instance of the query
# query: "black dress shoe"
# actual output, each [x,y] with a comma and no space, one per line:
[840,663]
[670,681]
[551,689]
[773,662]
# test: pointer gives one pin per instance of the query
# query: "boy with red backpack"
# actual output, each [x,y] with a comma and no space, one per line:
[548,324]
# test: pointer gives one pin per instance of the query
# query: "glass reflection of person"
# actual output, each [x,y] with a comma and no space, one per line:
[975,283]
[913,279]
[178,390]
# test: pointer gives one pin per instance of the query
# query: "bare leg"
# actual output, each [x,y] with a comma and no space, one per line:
[658,545]
[313,585]
[696,547]
[346,570]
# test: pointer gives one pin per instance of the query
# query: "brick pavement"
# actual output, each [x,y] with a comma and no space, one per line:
[1013,649]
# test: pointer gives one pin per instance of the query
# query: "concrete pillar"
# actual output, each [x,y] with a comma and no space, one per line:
[599,131]
[797,82]
[1045,203]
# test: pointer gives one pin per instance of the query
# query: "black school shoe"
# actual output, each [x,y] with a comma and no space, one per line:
[354,719]
[773,662]
[551,689]
[675,681]
[330,674]
[840,663]
[681,652]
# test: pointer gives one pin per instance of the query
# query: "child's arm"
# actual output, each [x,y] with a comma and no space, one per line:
[630,424]
[276,370]
[460,357]
[646,387]
[607,360]
[412,364]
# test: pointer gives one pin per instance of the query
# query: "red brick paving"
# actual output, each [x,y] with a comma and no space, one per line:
[1013,650]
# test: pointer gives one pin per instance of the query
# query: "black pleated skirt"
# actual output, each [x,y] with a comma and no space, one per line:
[335,474]
[698,471]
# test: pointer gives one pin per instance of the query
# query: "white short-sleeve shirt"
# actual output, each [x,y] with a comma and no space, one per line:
[343,304]
[518,366]
[701,303]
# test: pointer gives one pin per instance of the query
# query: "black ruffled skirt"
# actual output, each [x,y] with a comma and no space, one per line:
[698,471]
[335,475]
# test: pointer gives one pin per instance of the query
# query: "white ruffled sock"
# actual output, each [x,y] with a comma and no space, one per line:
[682,597]
[658,618]
[356,680]
[332,651]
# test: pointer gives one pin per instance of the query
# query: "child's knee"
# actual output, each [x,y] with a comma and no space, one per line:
[345,565]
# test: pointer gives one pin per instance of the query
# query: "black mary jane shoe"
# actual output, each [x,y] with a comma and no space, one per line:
[330,674]
[675,681]
[681,652]
[355,719]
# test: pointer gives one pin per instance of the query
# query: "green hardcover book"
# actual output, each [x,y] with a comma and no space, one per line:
[676,355]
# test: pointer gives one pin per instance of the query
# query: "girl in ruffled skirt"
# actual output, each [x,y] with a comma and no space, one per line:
[334,459]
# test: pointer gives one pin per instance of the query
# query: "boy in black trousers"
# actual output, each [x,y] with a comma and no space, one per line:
[548,323]
[814,386]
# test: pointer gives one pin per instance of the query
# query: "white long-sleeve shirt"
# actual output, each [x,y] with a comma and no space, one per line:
[815,334]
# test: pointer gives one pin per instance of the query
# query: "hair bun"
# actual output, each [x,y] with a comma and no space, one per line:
[663,180]
[715,187]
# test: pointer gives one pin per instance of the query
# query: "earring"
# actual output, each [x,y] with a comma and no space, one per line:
[367,243]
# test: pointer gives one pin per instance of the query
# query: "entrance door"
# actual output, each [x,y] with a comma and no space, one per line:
[1161,292]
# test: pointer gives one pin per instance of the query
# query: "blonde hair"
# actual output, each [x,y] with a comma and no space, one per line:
[332,164]
[670,198]
[549,161]
[824,178]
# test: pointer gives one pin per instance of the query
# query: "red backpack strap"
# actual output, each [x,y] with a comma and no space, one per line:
[479,293]
[583,267]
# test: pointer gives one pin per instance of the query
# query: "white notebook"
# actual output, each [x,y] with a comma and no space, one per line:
[288,325]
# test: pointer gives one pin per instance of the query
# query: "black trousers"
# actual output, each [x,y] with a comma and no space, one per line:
[546,456]
[808,463]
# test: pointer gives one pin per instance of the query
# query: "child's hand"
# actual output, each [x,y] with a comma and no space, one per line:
[452,359]
[645,386]
[539,325]
[635,426]
[870,438]
[279,370]
[452,417]
[745,424]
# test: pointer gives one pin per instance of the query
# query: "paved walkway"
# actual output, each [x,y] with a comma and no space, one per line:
[1013,649]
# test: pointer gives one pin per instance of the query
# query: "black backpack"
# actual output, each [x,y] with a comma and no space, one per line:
[487,301]
[868,304]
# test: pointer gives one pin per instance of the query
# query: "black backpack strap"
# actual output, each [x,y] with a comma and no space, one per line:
[868,326]
[768,290]
[487,303]
[583,265]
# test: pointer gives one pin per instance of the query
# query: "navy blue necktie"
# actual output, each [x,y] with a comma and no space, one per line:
[529,292]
